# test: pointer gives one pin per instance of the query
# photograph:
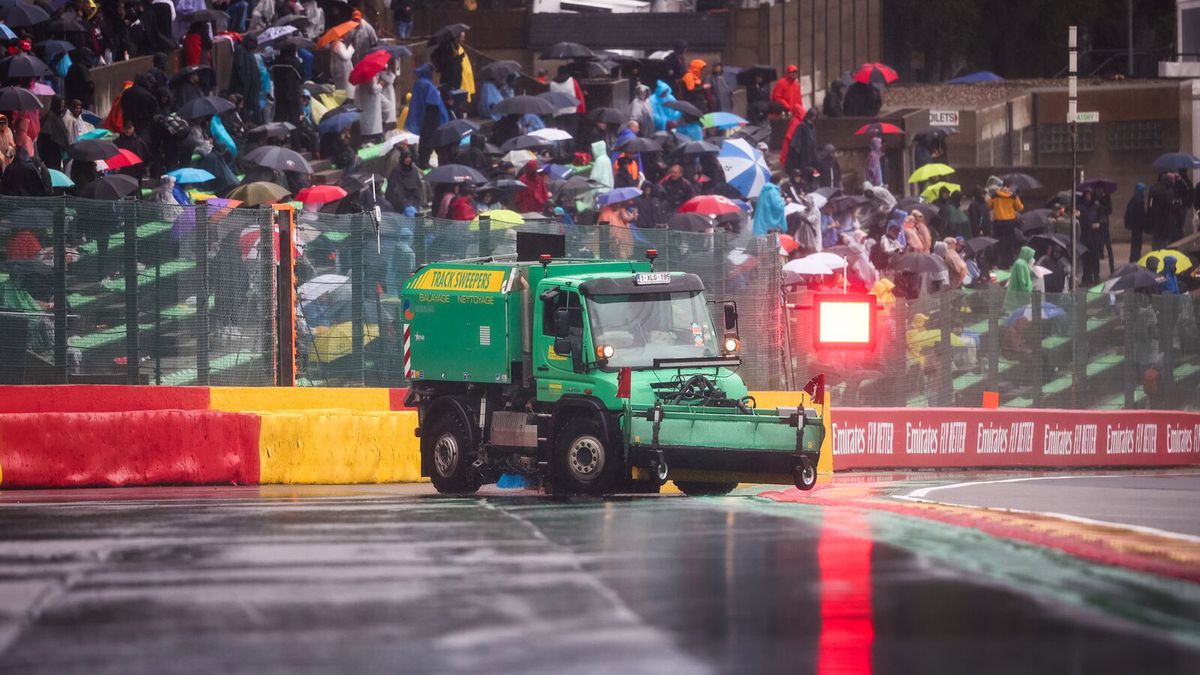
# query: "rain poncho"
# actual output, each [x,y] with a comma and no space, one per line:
[424,93]
[221,135]
[692,130]
[1170,281]
[489,96]
[662,114]
[956,222]
[368,96]
[602,171]
[768,212]
[340,64]
[875,162]
[1020,281]
[532,199]
[641,111]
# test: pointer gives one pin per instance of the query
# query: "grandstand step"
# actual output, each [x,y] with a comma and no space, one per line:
[319,165]
[327,177]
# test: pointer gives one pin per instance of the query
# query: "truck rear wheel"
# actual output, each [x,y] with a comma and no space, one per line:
[584,461]
[695,489]
[451,457]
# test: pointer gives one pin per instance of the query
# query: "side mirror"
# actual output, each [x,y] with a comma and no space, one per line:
[731,317]
[562,346]
[562,323]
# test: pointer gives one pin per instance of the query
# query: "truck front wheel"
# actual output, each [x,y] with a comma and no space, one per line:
[584,462]
[451,457]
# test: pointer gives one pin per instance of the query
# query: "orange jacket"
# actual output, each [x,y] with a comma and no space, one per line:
[787,94]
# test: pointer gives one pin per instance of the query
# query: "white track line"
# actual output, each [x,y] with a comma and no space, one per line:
[921,494]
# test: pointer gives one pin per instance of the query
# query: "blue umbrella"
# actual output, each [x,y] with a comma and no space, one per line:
[560,171]
[721,120]
[1174,161]
[618,195]
[91,118]
[58,178]
[1049,311]
[335,123]
[975,78]
[7,33]
[189,175]
[744,166]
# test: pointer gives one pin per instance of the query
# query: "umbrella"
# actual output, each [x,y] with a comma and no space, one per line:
[501,219]
[710,205]
[1110,186]
[498,71]
[875,73]
[371,65]
[1172,161]
[188,175]
[6,33]
[618,195]
[1062,241]
[575,186]
[19,15]
[335,123]
[1034,220]
[1049,311]
[878,129]
[273,130]
[692,148]
[296,20]
[747,75]
[931,193]
[315,88]
[807,266]
[1182,261]
[830,260]
[276,157]
[744,167]
[60,179]
[1022,181]
[259,192]
[185,222]
[319,286]
[978,245]
[502,184]
[448,33]
[97,134]
[847,202]
[455,173]
[526,142]
[524,105]
[91,150]
[684,107]
[23,66]
[976,78]
[1129,282]
[320,194]
[551,134]
[690,222]
[919,263]
[639,144]
[205,106]
[208,16]
[52,48]
[397,51]
[829,192]
[608,116]
[721,120]
[122,159]
[936,133]
[336,33]
[110,187]
[275,32]
[452,132]
[567,50]
[68,23]
[929,172]
[296,41]
[18,98]
[588,69]
[561,101]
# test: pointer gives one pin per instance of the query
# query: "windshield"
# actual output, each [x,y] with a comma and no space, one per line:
[644,327]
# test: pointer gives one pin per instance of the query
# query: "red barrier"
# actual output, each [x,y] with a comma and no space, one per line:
[396,398]
[901,438]
[128,448]
[85,398]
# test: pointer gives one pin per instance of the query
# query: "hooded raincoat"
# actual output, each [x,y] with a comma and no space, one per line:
[642,112]
[662,114]
[426,102]
[1020,283]
[768,212]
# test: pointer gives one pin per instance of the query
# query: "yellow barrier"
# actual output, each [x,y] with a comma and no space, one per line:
[239,399]
[339,447]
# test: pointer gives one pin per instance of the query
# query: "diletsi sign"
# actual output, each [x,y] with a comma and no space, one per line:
[943,118]
[899,438]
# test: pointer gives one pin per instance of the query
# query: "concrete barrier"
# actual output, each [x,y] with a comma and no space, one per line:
[339,447]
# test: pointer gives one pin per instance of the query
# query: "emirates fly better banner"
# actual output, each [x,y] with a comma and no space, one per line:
[885,438]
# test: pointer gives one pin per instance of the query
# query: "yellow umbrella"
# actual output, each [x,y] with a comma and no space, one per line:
[931,192]
[502,219]
[334,342]
[337,33]
[929,172]
[1182,262]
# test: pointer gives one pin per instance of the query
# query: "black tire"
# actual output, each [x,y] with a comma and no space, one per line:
[585,462]
[451,456]
[805,475]
[695,489]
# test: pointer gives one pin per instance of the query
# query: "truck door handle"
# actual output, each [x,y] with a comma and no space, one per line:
[543,368]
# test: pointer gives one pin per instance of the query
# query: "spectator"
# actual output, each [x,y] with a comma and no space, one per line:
[694,89]
[1091,237]
[678,190]
[402,14]
[1135,221]
[1105,239]
[244,78]
[786,94]
[1005,205]
[641,111]
[53,140]
[832,107]
[875,159]
[426,112]
[78,82]
[720,89]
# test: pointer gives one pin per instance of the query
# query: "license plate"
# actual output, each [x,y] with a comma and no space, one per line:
[652,278]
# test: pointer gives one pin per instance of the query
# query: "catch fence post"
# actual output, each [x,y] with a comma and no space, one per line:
[202,319]
[1128,316]
[1035,314]
[285,301]
[132,352]
[1080,347]
[485,235]
[419,250]
[357,293]
[60,291]
[945,387]
[603,245]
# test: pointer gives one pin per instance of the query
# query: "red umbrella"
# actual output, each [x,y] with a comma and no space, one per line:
[122,159]
[371,65]
[871,73]
[320,194]
[710,205]
[877,128]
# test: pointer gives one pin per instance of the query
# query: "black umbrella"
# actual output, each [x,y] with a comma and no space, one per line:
[1035,220]
[638,144]
[567,50]
[588,69]
[110,187]
[1174,161]
[692,148]
[524,105]
[574,186]
[52,48]
[978,245]
[498,71]
[829,192]
[19,98]
[503,184]
[210,16]
[448,33]
[1040,242]
[919,263]
[455,173]
[297,41]
[616,58]
[929,210]
[684,107]
[185,73]
[92,150]
[296,20]
[1022,181]
[28,267]
[524,143]
[559,100]
[1127,268]
[846,202]
[690,222]
[68,23]
[273,130]
[23,66]
[936,134]
[753,133]
[1109,185]
[276,157]
[452,132]
[314,88]
[205,106]
[747,75]
[1139,279]
[398,51]
[608,116]
[19,15]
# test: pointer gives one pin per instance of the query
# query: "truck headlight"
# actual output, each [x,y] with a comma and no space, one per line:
[732,345]
[605,352]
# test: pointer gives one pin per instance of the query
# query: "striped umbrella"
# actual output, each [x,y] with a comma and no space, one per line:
[744,166]
[721,120]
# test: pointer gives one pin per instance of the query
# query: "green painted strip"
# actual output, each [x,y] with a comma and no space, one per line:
[169,269]
[117,239]
[217,365]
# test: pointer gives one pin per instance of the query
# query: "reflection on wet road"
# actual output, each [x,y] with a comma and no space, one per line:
[391,579]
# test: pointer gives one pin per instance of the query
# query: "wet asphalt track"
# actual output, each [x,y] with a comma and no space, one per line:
[393,579]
